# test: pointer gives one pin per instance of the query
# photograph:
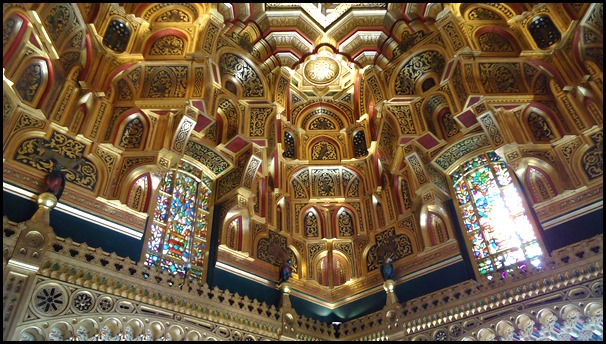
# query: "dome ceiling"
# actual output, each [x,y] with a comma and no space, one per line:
[328,129]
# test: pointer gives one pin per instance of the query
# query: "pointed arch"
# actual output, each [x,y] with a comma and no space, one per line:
[539,179]
[179,245]
[312,222]
[500,233]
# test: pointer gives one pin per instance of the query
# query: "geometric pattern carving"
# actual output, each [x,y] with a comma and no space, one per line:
[50,299]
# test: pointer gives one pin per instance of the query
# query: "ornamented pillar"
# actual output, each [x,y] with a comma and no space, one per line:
[392,312]
[20,273]
[289,315]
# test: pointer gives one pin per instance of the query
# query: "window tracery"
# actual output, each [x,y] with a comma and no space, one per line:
[494,215]
[178,234]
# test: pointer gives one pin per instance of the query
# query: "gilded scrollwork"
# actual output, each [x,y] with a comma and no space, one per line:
[415,68]
[388,244]
[215,162]
[168,45]
[243,72]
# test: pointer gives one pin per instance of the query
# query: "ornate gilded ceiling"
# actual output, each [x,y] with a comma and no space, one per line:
[328,130]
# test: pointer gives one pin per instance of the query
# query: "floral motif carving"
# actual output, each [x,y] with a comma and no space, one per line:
[215,162]
[168,45]
[243,72]
[415,68]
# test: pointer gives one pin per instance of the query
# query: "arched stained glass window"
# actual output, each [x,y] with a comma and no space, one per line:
[501,236]
[180,223]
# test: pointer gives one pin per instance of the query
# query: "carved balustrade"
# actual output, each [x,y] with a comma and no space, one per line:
[572,277]
[107,296]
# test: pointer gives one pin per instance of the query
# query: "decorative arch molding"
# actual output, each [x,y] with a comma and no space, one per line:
[496,39]
[230,63]
[35,81]
[139,191]
[16,27]
[166,43]
[540,179]
[438,116]
[498,12]
[324,148]
[333,115]
[428,62]
[114,76]
[340,111]
[345,222]
[541,124]
[453,155]
[132,129]
[312,221]
[227,116]
[235,230]
[436,227]
[339,267]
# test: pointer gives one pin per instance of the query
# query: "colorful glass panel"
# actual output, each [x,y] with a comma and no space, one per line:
[177,241]
[166,182]
[155,237]
[494,215]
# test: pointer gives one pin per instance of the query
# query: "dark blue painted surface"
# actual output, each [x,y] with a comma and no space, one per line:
[18,209]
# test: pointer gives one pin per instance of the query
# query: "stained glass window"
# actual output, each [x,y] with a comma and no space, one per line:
[496,224]
[178,233]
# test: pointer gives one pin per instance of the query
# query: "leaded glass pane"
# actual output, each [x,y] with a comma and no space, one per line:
[493,213]
[177,240]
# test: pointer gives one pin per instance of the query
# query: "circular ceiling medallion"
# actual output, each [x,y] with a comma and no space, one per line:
[322,70]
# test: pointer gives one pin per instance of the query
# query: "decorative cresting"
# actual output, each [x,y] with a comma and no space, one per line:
[105,290]
[43,154]
[415,68]
[540,304]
